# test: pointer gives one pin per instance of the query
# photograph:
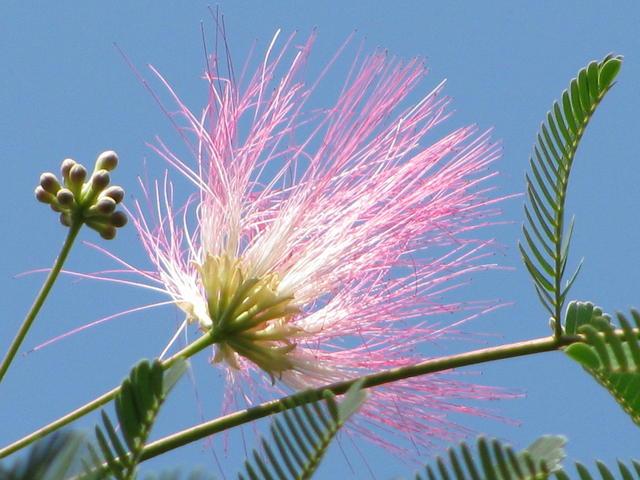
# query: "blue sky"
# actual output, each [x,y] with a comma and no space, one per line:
[66,92]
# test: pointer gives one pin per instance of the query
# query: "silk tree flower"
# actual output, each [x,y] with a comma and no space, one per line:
[321,243]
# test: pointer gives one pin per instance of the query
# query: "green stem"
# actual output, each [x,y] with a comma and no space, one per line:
[512,350]
[188,351]
[529,347]
[39,301]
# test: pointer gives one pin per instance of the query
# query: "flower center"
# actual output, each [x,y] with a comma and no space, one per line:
[248,314]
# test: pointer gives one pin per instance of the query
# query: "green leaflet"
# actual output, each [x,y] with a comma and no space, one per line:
[545,245]
[580,313]
[300,437]
[627,472]
[611,355]
[493,460]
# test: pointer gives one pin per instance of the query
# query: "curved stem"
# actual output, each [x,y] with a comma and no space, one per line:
[529,347]
[186,352]
[39,301]
[512,350]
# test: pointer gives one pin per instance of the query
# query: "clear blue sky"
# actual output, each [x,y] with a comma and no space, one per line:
[66,92]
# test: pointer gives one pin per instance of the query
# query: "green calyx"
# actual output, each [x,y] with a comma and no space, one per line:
[249,315]
[90,200]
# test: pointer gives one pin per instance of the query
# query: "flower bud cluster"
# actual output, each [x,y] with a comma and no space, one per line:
[80,198]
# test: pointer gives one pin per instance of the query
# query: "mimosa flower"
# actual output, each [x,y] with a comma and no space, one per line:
[325,243]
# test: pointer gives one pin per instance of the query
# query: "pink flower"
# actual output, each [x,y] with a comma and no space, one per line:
[325,238]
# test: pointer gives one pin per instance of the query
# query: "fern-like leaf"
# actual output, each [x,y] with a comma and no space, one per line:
[300,437]
[627,472]
[137,406]
[610,355]
[545,247]
[53,458]
[495,461]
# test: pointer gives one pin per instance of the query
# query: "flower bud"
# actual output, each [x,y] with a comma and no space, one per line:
[49,182]
[107,160]
[118,219]
[77,174]
[67,163]
[105,205]
[99,180]
[65,219]
[65,197]
[101,225]
[43,196]
[115,192]
[108,232]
